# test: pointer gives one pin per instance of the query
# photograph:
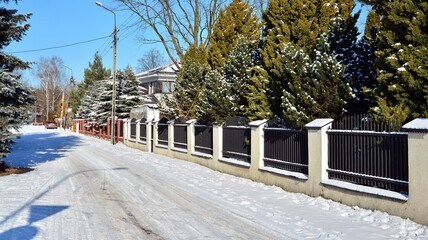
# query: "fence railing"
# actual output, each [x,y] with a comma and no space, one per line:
[133,129]
[143,133]
[163,134]
[286,149]
[237,143]
[371,159]
[204,139]
[180,136]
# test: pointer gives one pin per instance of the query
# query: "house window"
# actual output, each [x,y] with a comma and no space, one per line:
[167,87]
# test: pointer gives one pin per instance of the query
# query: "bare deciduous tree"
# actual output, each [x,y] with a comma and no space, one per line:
[176,24]
[51,75]
[150,60]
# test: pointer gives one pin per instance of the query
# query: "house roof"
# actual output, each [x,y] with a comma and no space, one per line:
[170,68]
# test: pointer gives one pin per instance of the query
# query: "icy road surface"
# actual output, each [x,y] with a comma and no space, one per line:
[85,188]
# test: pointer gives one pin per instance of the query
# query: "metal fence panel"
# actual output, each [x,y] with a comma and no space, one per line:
[133,129]
[286,149]
[237,143]
[163,133]
[143,134]
[204,139]
[368,158]
[180,136]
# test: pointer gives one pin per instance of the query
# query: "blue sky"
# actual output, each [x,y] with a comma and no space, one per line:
[61,22]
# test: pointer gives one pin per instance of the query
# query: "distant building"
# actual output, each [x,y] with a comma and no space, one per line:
[158,81]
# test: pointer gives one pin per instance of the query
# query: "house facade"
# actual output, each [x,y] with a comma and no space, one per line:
[158,81]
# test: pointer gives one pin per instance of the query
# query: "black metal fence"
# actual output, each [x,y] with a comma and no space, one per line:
[180,136]
[365,122]
[204,139]
[237,139]
[375,159]
[133,130]
[143,132]
[286,149]
[163,132]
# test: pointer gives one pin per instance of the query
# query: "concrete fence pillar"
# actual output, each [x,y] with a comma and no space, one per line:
[155,133]
[137,130]
[317,154]
[170,135]
[217,142]
[257,145]
[191,136]
[126,129]
[418,169]
[149,136]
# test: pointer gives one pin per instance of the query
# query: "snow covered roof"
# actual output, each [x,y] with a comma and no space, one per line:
[170,68]
[164,73]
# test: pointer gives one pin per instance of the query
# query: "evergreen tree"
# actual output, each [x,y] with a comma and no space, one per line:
[230,92]
[15,97]
[96,71]
[402,57]
[312,88]
[364,78]
[257,98]
[101,103]
[299,22]
[188,86]
[129,95]
[238,19]
[217,100]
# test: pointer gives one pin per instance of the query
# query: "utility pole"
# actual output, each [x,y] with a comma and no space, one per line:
[113,97]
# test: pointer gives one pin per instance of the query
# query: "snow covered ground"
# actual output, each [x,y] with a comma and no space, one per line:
[85,188]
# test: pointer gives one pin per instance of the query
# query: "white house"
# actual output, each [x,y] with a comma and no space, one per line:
[156,82]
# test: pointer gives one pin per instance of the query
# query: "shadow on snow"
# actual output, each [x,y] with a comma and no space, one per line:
[34,149]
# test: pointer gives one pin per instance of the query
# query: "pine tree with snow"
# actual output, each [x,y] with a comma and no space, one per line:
[101,103]
[15,97]
[238,19]
[331,91]
[364,78]
[188,86]
[312,88]
[218,102]
[298,22]
[129,95]
[402,57]
[95,71]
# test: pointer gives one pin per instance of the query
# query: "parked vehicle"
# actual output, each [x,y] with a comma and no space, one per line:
[51,125]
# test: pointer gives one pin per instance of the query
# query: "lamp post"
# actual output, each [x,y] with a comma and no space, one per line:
[113,97]
[62,105]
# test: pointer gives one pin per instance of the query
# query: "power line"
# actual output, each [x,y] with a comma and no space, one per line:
[63,46]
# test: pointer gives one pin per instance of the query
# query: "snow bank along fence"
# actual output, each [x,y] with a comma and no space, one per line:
[353,164]
[101,130]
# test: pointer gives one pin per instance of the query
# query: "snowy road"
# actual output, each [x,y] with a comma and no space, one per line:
[85,188]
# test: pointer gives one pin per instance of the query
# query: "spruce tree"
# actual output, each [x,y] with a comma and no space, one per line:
[95,71]
[402,57]
[15,97]
[189,85]
[130,93]
[217,100]
[364,78]
[238,19]
[299,22]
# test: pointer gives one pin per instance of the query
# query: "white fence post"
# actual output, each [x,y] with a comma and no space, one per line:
[418,169]
[191,136]
[217,141]
[317,153]
[257,144]
[170,135]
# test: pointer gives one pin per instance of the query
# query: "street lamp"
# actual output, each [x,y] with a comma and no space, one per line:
[113,97]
